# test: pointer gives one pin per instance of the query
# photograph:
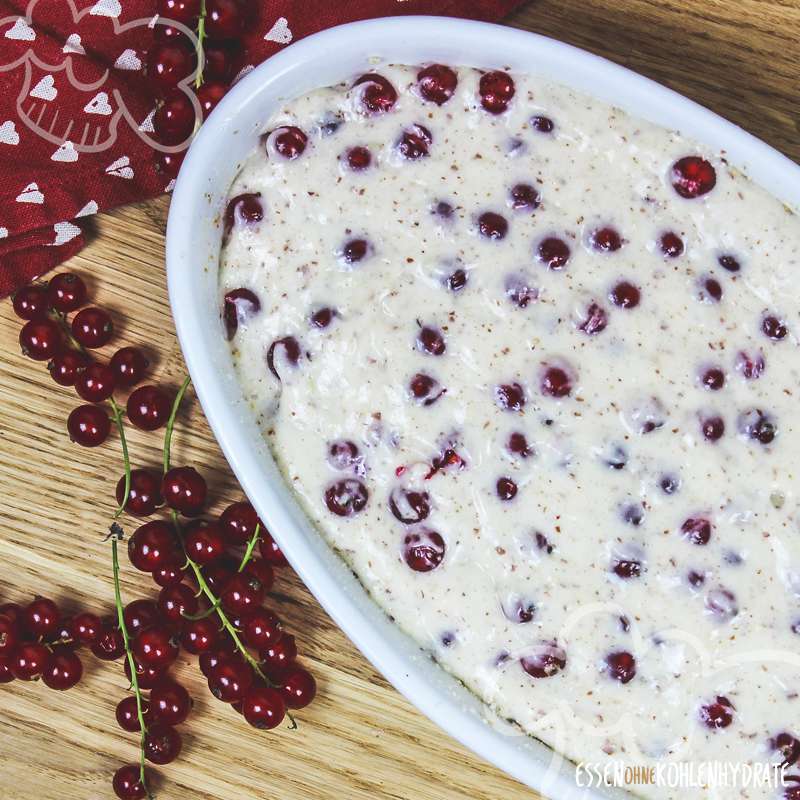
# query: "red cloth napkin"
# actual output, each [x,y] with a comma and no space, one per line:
[72,93]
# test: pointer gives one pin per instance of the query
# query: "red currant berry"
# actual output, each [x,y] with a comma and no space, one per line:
[437,83]
[424,550]
[92,327]
[168,64]
[162,744]
[289,142]
[270,551]
[496,90]
[204,544]
[40,618]
[542,124]
[625,295]
[28,660]
[671,244]
[127,783]
[86,628]
[718,714]
[693,176]
[209,95]
[238,523]
[200,635]
[109,644]
[144,495]
[169,574]
[377,95]
[492,226]
[358,158]
[221,62]
[219,573]
[149,408]
[127,713]
[95,383]
[155,647]
[185,11]
[545,660]
[621,666]
[66,292]
[129,365]
[146,677]
[170,703]
[6,675]
[261,629]
[41,339]
[176,602]
[153,546]
[62,669]
[174,120]
[31,302]
[263,707]
[224,19]
[279,655]
[169,164]
[184,489]
[299,687]
[66,367]
[230,679]
[242,594]
[11,610]
[139,615]
[258,568]
[210,660]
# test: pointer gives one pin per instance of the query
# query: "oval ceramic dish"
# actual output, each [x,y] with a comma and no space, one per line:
[193,246]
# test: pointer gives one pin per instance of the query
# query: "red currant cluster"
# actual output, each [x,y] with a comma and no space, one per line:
[219,25]
[48,336]
[212,588]
[37,642]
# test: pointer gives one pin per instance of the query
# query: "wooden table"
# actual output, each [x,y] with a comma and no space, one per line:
[360,739]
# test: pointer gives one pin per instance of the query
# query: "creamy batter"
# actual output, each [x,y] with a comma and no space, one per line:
[532,367]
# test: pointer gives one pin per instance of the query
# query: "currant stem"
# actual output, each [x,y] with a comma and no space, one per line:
[201,36]
[171,421]
[116,412]
[62,321]
[250,547]
[131,663]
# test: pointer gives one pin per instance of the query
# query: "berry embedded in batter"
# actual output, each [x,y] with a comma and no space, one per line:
[423,550]
[693,176]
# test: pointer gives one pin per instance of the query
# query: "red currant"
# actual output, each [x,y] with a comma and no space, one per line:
[109,644]
[66,292]
[95,383]
[62,669]
[155,647]
[174,120]
[204,544]
[220,62]
[175,602]
[184,489]
[270,551]
[152,546]
[169,164]
[263,707]
[86,628]
[168,64]
[185,11]
[242,594]
[129,365]
[127,783]
[209,95]
[9,635]
[279,655]
[238,523]
[127,713]
[230,679]
[149,407]
[41,339]
[6,675]
[200,635]
[139,615]
[40,618]
[88,425]
[162,744]
[31,302]
[28,660]
[146,677]
[65,367]
[169,574]
[170,703]
[224,19]
[92,327]
[144,495]
[261,629]
[259,569]
[299,687]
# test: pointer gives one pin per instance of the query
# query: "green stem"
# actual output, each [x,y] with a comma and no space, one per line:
[201,36]
[171,421]
[116,413]
[250,546]
[65,327]
[131,664]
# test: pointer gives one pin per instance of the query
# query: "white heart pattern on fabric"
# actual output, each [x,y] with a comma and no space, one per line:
[129,60]
[106,8]
[87,211]
[31,194]
[279,32]
[8,133]
[121,168]
[98,105]
[66,153]
[65,232]
[3,233]
[21,31]
[73,45]
[147,123]
[45,89]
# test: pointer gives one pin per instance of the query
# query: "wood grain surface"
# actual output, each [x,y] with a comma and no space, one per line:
[360,739]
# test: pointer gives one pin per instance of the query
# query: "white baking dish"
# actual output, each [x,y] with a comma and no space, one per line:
[193,243]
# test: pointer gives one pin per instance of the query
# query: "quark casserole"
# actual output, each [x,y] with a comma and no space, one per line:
[531,366]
